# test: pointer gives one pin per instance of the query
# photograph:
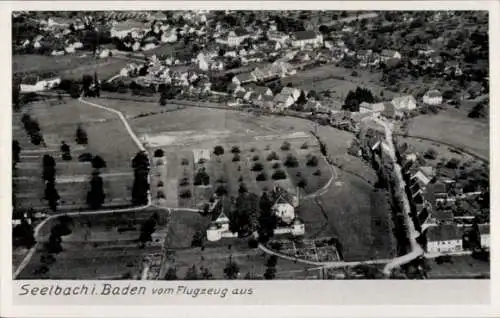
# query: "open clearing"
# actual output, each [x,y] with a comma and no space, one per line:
[111,251]
[58,122]
[450,126]
[67,66]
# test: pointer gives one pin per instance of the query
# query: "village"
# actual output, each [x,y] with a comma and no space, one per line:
[253,132]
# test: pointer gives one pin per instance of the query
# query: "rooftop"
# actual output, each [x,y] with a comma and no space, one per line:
[305,35]
[445,232]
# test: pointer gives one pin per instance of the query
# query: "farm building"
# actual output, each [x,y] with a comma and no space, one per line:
[424,175]
[237,36]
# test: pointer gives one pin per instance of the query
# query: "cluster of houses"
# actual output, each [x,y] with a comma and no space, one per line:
[284,208]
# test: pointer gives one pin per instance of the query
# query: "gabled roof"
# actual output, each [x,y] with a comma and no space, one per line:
[445,232]
[433,93]
[240,32]
[305,35]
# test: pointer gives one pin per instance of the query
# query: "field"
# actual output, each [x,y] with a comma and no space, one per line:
[67,66]
[215,256]
[329,77]
[451,127]
[99,247]
[58,122]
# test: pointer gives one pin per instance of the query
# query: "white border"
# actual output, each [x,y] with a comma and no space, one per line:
[432,287]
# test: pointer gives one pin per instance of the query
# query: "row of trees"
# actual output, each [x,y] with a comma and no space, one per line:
[32,128]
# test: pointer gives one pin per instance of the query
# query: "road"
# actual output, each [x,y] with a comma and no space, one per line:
[416,250]
[141,147]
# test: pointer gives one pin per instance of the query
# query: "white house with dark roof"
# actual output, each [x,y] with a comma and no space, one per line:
[386,55]
[306,38]
[37,84]
[243,78]
[424,175]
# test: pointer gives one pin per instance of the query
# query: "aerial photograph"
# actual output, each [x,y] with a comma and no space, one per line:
[250,145]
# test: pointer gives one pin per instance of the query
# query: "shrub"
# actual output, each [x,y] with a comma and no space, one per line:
[255,158]
[279,175]
[312,161]
[302,183]
[257,166]
[160,195]
[243,188]
[184,162]
[240,179]
[453,163]
[430,154]
[236,158]
[276,165]
[218,150]
[285,146]
[185,194]
[160,184]
[291,161]
[184,182]
[202,161]
[261,177]
[201,177]
[159,153]
[304,146]
[221,190]
[252,149]
[273,156]
[98,162]
[317,172]
[235,149]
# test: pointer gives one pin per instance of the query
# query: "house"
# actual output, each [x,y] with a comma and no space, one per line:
[284,204]
[36,84]
[219,227]
[278,37]
[262,91]
[307,38]
[169,37]
[389,110]
[484,232]
[444,238]
[433,97]
[424,175]
[243,78]
[157,16]
[122,29]
[407,102]
[148,46]
[104,53]
[237,36]
[203,61]
[365,107]
[386,55]
[286,98]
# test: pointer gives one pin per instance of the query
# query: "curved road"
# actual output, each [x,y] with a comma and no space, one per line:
[141,147]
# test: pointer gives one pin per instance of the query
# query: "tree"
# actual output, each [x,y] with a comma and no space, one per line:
[49,168]
[235,149]
[323,29]
[430,154]
[51,195]
[96,196]
[312,161]
[148,228]
[270,273]
[98,162]
[81,136]
[279,175]
[192,273]
[86,83]
[273,156]
[231,270]
[23,235]
[291,161]
[302,183]
[356,97]
[159,153]
[140,188]
[66,151]
[218,150]
[267,219]
[242,188]
[257,166]
[201,177]
[206,274]
[244,220]
[221,190]
[285,146]
[261,176]
[16,152]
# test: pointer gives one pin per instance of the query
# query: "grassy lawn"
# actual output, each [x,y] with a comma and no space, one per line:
[106,253]
[451,127]
[354,214]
